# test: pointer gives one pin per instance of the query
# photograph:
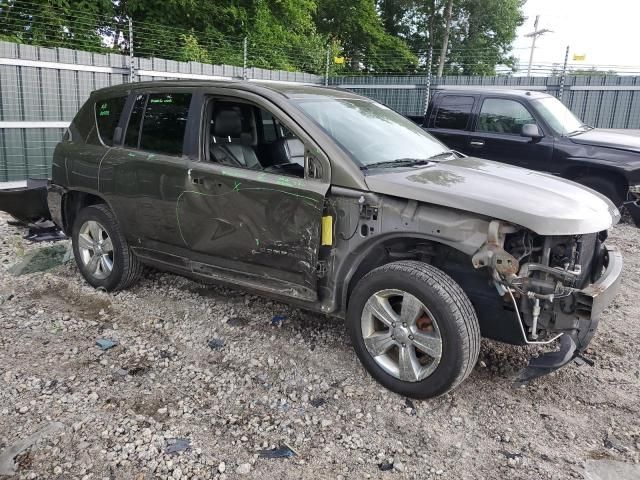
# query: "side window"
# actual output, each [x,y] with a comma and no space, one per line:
[165,122]
[132,137]
[108,113]
[269,126]
[454,112]
[246,136]
[503,116]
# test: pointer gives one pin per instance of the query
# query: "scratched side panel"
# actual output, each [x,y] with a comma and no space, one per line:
[255,222]
[143,188]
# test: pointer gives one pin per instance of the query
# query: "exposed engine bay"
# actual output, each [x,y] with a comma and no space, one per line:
[547,279]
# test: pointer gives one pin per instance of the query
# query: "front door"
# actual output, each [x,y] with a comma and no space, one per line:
[496,136]
[252,212]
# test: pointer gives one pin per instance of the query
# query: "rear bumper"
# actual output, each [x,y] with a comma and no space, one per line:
[27,202]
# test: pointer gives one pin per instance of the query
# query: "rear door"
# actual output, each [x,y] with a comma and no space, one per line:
[496,135]
[147,172]
[450,120]
[254,205]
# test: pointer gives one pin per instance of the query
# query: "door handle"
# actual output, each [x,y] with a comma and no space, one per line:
[476,143]
[195,180]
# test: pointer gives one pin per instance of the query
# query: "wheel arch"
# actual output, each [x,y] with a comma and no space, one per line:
[389,248]
[575,173]
[75,200]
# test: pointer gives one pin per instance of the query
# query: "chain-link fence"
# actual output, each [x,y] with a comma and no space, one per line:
[50,62]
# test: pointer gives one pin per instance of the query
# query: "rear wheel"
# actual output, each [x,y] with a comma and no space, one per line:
[413,328]
[605,186]
[101,251]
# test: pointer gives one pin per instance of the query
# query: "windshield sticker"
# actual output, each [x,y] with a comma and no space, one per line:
[104,110]
[165,99]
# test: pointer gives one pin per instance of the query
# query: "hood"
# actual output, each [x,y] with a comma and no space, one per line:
[610,139]
[540,202]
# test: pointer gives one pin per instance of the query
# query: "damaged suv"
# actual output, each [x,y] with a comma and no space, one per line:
[337,204]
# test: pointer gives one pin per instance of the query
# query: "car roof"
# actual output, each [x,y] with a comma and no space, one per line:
[286,89]
[536,92]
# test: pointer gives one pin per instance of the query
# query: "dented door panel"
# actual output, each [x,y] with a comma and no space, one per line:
[255,222]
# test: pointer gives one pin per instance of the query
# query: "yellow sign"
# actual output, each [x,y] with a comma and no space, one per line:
[338,60]
[579,58]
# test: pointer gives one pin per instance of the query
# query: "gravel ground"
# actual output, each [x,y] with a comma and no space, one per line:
[71,410]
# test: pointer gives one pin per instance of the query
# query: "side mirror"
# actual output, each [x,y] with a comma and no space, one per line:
[531,130]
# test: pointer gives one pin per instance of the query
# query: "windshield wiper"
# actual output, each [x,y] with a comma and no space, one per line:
[408,162]
[400,162]
[446,153]
[583,128]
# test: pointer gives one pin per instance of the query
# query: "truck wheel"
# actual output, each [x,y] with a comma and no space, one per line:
[604,186]
[413,328]
[101,251]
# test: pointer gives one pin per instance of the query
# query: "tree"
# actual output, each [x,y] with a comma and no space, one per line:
[445,40]
[357,27]
[55,23]
[480,36]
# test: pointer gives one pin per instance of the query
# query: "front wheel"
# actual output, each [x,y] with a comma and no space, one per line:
[101,250]
[413,328]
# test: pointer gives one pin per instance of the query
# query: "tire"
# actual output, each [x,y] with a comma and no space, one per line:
[125,266]
[605,186]
[443,303]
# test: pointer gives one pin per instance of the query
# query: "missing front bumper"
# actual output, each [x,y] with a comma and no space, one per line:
[593,300]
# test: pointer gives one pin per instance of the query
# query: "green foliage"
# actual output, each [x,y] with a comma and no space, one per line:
[367,46]
[374,36]
[481,34]
[54,23]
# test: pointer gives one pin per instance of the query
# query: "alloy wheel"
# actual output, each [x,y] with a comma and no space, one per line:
[401,335]
[96,249]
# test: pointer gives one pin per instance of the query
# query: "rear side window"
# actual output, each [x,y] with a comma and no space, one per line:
[164,123]
[454,112]
[107,117]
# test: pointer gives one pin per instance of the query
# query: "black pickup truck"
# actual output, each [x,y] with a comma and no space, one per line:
[535,130]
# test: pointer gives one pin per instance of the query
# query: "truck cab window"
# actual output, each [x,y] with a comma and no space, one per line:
[454,112]
[246,136]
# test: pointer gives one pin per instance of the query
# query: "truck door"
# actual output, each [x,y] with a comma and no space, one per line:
[496,135]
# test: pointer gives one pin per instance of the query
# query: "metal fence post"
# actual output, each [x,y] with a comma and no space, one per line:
[427,96]
[132,67]
[244,59]
[564,74]
[326,69]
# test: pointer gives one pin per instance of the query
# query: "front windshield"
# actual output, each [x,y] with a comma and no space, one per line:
[559,117]
[371,132]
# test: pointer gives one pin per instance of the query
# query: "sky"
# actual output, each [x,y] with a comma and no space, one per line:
[608,32]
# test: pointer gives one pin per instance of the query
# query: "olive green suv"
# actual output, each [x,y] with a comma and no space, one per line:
[337,204]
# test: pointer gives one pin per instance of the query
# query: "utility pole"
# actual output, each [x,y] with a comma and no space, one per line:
[563,78]
[132,65]
[534,35]
[245,52]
